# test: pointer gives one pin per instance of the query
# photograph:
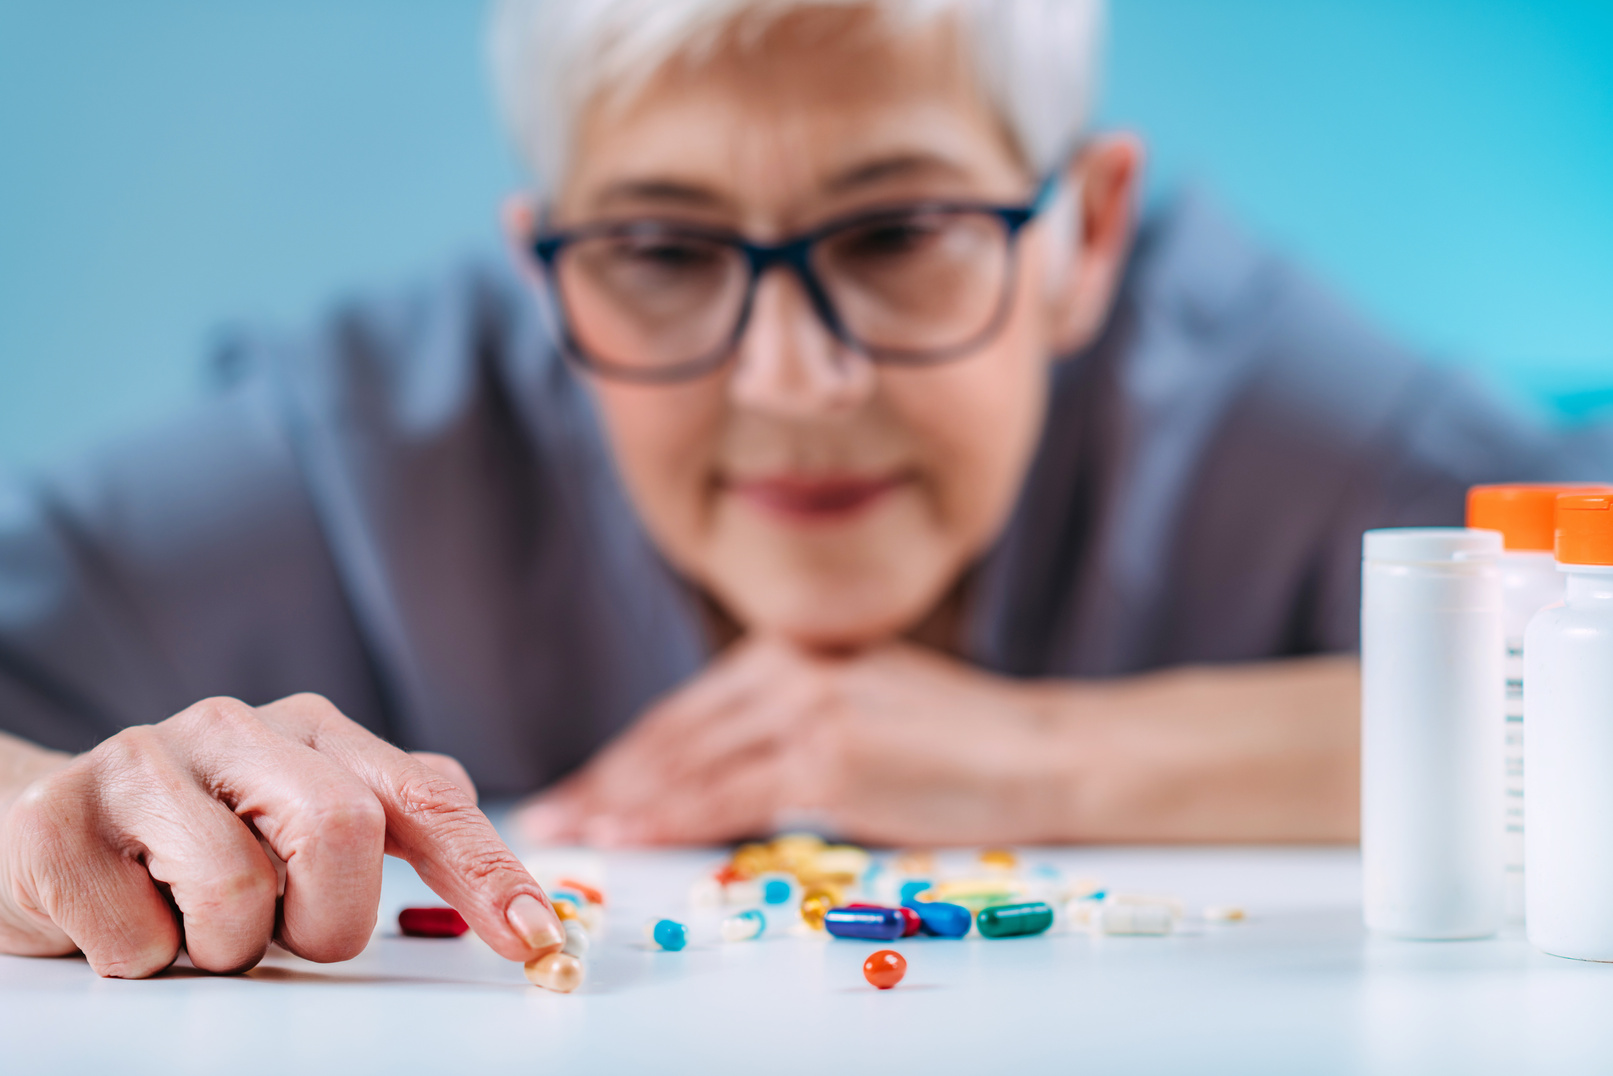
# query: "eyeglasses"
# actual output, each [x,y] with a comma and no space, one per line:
[657,302]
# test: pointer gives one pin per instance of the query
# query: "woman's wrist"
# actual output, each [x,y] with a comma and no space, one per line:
[23,763]
[1061,753]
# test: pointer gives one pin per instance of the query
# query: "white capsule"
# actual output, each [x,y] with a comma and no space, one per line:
[1224,913]
[1137,916]
[706,892]
[576,939]
[743,926]
[1082,913]
[743,891]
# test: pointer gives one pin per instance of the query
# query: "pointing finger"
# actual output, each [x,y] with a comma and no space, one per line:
[435,824]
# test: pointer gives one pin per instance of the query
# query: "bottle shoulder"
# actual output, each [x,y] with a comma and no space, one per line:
[1563,618]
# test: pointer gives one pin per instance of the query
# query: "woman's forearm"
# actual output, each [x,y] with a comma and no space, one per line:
[1259,752]
[23,763]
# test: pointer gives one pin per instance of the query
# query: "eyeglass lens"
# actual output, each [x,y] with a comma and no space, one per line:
[913,283]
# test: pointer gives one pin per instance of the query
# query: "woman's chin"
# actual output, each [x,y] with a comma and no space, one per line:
[832,626]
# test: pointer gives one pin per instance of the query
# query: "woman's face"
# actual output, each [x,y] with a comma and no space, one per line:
[812,493]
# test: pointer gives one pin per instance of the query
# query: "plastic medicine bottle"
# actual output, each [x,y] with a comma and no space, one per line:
[1568,719]
[1432,695]
[1526,517]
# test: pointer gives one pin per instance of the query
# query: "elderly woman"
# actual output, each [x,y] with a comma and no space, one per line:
[831,452]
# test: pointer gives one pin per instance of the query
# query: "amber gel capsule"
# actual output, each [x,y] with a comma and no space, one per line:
[560,972]
[1012,920]
[815,904]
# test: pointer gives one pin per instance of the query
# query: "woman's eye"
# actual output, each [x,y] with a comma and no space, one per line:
[893,238]
[669,256]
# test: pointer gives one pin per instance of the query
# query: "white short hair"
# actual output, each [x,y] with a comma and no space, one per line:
[1037,60]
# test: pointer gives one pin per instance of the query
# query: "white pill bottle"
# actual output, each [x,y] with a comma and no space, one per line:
[1432,700]
[1526,516]
[1568,721]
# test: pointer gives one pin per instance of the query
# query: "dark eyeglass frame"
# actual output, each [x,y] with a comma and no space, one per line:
[794,254]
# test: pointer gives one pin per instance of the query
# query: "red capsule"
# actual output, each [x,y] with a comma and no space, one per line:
[431,923]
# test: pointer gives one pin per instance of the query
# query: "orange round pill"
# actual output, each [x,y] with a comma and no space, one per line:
[885,968]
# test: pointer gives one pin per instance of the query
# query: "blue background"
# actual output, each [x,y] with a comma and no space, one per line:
[169,166]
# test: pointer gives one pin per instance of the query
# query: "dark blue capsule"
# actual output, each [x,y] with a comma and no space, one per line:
[882,924]
[942,920]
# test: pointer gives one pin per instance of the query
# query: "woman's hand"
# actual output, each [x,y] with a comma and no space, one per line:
[895,744]
[899,745]
[226,827]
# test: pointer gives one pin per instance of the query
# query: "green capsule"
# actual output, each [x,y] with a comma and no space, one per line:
[1011,920]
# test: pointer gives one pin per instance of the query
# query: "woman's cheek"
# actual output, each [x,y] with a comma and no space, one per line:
[663,439]
[979,434]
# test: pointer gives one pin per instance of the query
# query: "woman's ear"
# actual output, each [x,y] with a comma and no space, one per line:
[520,220]
[1105,178]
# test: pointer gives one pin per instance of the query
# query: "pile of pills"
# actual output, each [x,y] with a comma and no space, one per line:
[581,908]
[849,893]
[799,884]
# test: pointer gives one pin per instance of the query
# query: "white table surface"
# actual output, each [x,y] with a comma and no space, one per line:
[1299,988]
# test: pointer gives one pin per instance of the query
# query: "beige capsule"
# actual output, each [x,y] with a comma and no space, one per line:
[560,972]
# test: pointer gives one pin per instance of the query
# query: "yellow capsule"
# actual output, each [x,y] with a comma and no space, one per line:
[842,859]
[795,850]
[975,887]
[1000,859]
[915,861]
[837,884]
[978,893]
[1225,913]
[815,904]
[749,860]
[564,909]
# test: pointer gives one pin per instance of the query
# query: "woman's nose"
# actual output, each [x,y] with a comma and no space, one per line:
[789,364]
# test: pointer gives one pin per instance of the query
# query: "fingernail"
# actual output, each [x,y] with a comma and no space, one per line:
[535,923]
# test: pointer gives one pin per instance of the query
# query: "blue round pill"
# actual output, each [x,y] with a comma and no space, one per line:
[776,891]
[670,935]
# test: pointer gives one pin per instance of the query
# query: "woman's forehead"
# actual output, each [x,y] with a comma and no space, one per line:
[796,123]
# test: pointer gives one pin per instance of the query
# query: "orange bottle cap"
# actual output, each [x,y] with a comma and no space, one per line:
[1585,528]
[1525,514]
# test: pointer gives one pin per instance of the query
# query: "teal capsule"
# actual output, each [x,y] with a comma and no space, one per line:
[1012,920]
[910,891]
[667,934]
[744,926]
[777,888]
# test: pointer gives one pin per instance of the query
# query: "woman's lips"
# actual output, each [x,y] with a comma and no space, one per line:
[816,499]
